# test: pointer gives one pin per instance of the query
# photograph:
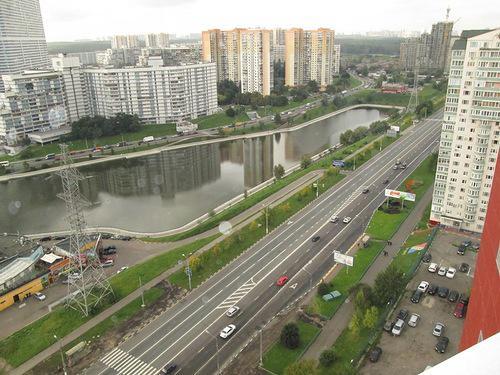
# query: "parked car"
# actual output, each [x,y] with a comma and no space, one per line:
[453,296]
[442,271]
[227,331]
[438,329]
[432,289]
[398,327]
[423,286]
[414,318]
[464,267]
[106,236]
[108,263]
[315,239]
[432,267]
[39,296]
[466,243]
[475,246]
[461,250]
[232,311]
[443,292]
[464,299]
[417,294]
[346,220]
[427,257]
[460,310]
[282,280]
[450,274]
[442,344]
[375,354]
[168,369]
[334,219]
[403,314]
[388,326]
[122,269]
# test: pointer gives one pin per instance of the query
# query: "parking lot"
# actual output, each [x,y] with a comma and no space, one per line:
[414,350]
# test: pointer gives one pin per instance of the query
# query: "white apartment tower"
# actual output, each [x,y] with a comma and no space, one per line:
[470,133]
[22,38]
[336,59]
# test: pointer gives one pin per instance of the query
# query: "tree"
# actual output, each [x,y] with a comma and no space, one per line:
[327,357]
[230,112]
[304,367]
[277,119]
[371,317]
[279,171]
[195,263]
[324,101]
[305,161]
[355,324]
[388,285]
[323,289]
[227,91]
[312,86]
[290,336]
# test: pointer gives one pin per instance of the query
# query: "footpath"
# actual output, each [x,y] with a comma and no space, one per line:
[334,327]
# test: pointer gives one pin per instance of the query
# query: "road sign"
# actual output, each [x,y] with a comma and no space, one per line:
[343,258]
[400,195]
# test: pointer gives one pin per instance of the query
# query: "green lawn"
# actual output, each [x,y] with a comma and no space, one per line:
[37,336]
[346,279]
[422,224]
[219,119]
[278,357]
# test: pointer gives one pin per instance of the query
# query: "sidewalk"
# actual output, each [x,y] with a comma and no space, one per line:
[334,327]
[241,220]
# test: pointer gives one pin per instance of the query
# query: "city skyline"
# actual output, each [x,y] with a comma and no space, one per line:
[70,21]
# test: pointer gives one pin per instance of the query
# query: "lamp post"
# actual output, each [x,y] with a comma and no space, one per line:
[217,348]
[315,185]
[142,292]
[266,208]
[62,355]
[189,272]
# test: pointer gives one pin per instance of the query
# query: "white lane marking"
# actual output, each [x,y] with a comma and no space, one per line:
[125,363]
[238,295]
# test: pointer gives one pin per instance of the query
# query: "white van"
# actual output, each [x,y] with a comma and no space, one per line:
[4,163]
[149,138]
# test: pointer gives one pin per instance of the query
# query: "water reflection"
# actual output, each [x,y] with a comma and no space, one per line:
[169,188]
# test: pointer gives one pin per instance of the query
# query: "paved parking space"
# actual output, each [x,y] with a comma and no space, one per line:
[411,352]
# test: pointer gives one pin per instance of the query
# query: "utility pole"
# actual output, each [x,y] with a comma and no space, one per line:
[266,208]
[261,362]
[189,272]
[62,354]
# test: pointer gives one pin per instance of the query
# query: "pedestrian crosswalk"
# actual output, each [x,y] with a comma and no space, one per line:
[234,298]
[126,364]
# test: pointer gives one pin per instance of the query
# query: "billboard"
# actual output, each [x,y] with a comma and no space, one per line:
[400,195]
[395,128]
[343,258]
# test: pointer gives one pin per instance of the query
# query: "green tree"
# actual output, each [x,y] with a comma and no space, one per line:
[305,161]
[312,86]
[327,357]
[304,367]
[290,337]
[323,289]
[279,171]
[277,118]
[324,101]
[388,285]
[230,112]
[371,317]
[355,324]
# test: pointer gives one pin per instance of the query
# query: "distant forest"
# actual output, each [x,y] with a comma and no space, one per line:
[350,45]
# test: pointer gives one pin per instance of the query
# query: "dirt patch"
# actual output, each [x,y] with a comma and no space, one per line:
[112,338]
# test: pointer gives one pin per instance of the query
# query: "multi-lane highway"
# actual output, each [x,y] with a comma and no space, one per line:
[187,334]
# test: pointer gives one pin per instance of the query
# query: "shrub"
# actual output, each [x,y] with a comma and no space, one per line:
[290,336]
[323,289]
[327,358]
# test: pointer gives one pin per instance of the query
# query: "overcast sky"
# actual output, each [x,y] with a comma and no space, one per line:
[90,19]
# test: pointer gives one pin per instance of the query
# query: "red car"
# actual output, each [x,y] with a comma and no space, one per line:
[282,280]
[460,310]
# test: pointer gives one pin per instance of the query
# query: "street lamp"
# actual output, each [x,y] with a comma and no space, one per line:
[142,292]
[189,272]
[315,185]
[217,348]
[260,328]
[62,355]
[266,208]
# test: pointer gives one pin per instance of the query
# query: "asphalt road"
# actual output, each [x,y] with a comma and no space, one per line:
[187,333]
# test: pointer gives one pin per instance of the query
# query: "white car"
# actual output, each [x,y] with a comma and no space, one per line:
[334,219]
[398,327]
[432,267]
[438,329]
[122,269]
[39,296]
[414,318]
[423,286]
[442,271]
[232,311]
[450,274]
[227,331]
[346,220]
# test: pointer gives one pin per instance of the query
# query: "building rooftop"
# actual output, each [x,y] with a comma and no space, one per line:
[461,43]
[19,265]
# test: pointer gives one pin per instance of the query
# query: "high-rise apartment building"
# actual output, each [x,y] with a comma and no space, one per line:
[408,53]
[440,44]
[470,133]
[160,40]
[279,45]
[22,38]
[309,56]
[124,41]
[336,59]
[133,41]
[244,56]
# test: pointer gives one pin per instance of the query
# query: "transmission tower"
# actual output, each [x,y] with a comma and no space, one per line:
[413,102]
[90,285]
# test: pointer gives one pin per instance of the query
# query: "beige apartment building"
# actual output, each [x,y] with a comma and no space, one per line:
[244,56]
[309,56]
[470,133]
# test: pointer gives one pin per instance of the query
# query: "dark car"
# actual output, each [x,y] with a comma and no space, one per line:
[168,369]
[106,236]
[442,344]
[366,190]
[386,181]
[375,354]
[125,238]
[388,326]
[417,294]
[453,296]
[464,267]
[466,243]
[432,289]
[461,250]
[315,239]
[110,247]
[109,251]
[443,292]
[403,314]
[460,309]
[464,299]
[427,257]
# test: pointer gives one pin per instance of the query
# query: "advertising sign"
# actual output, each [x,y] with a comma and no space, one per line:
[343,258]
[400,195]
